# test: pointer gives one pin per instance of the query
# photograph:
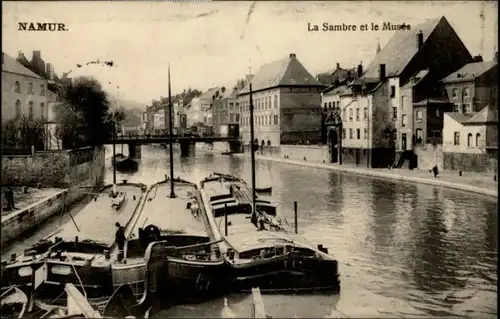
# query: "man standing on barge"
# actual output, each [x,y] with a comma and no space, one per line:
[120,240]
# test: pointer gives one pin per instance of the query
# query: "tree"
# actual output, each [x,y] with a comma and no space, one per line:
[84,114]
[23,132]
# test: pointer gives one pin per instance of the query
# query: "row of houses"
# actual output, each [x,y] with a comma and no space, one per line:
[31,88]
[423,88]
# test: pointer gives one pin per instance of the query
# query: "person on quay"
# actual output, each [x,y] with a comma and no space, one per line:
[120,240]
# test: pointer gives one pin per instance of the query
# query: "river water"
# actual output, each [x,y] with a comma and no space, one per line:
[404,250]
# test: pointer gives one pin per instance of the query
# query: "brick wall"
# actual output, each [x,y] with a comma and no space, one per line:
[82,167]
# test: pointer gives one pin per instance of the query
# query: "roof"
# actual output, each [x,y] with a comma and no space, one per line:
[400,49]
[487,115]
[288,71]
[341,90]
[13,66]
[208,94]
[419,76]
[459,117]
[431,100]
[469,72]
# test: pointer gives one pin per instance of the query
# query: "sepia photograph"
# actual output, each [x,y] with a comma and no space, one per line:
[249,159]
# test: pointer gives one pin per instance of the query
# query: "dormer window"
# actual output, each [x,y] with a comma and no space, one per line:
[455,93]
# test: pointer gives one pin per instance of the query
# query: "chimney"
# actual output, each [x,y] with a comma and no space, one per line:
[381,72]
[223,89]
[50,71]
[37,55]
[338,66]
[360,70]
[292,56]
[478,58]
[420,39]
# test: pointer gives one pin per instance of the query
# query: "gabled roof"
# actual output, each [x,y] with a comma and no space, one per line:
[469,72]
[487,115]
[13,66]
[459,117]
[288,71]
[208,94]
[341,90]
[400,49]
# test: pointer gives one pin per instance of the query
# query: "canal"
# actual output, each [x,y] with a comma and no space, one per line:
[405,250]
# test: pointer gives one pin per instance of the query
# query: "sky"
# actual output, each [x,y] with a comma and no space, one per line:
[210,44]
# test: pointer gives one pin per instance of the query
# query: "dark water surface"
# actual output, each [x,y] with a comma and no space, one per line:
[404,250]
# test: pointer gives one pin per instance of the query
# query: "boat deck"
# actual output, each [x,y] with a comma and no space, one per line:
[171,214]
[98,218]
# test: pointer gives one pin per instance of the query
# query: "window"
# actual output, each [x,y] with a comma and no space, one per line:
[454,93]
[351,133]
[30,110]
[42,89]
[393,91]
[394,113]
[18,87]
[419,116]
[237,117]
[230,117]
[478,138]
[469,139]
[456,140]
[276,120]
[329,105]
[350,115]
[343,133]
[419,135]
[18,108]
[466,93]
[437,113]
[275,101]
[365,113]
[344,115]
[358,133]
[404,120]
[269,101]
[326,104]
[467,108]
[366,133]
[357,114]
[456,108]
[30,88]
[270,120]
[338,103]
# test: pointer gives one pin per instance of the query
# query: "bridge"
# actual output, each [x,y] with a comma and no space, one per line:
[186,142]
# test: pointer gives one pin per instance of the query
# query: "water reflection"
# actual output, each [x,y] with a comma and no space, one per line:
[404,249]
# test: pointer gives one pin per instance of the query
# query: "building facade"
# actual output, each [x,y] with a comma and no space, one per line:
[473,86]
[287,105]
[226,110]
[470,141]
[415,55]
[24,93]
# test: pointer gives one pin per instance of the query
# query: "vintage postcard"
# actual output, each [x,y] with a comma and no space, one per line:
[263,159]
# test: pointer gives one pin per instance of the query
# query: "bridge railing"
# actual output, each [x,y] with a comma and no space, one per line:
[160,136]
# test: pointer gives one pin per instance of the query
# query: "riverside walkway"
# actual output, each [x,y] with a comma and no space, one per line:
[470,182]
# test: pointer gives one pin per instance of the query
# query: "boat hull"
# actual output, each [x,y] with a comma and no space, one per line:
[293,274]
[176,279]
[14,303]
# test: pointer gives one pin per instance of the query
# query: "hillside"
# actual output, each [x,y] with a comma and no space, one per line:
[133,110]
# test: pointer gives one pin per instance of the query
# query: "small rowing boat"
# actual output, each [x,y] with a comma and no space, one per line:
[14,302]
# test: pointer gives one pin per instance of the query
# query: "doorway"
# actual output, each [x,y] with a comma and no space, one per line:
[403,142]
[333,141]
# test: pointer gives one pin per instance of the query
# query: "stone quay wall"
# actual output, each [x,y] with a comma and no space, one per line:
[25,219]
[77,171]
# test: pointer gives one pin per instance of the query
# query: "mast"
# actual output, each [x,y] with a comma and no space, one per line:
[170,140]
[114,153]
[252,148]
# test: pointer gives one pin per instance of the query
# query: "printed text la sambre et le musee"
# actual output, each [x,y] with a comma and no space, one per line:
[386,26]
